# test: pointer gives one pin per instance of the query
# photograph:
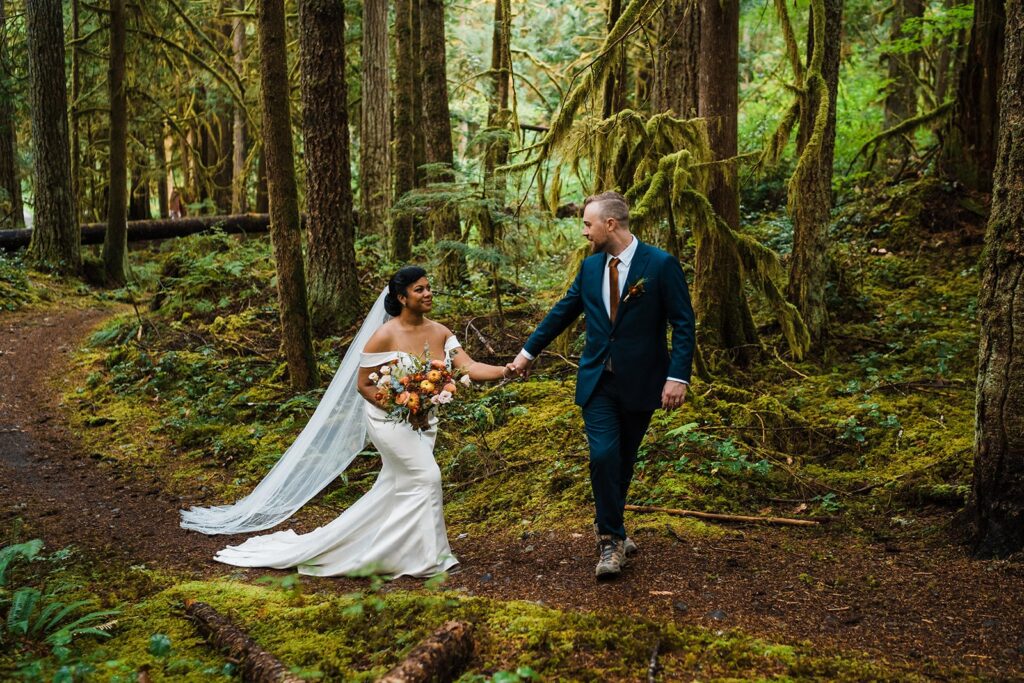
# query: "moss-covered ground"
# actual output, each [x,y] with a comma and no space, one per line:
[189,382]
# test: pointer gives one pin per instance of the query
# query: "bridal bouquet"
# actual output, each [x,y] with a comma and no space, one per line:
[410,390]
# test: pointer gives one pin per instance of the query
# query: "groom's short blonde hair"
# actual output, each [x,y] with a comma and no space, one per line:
[611,205]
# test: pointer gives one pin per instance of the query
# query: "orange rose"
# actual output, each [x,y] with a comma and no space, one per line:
[427,386]
[434,376]
[404,381]
[450,387]
[403,398]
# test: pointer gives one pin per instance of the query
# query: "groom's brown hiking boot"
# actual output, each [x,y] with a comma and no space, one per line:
[611,555]
[629,547]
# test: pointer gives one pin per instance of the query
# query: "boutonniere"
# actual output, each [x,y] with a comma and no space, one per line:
[634,291]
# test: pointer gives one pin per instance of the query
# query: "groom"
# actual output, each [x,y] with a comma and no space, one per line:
[630,293]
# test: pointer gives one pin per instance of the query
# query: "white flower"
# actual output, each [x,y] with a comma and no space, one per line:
[466,380]
[435,399]
[374,377]
[444,397]
[383,382]
[385,369]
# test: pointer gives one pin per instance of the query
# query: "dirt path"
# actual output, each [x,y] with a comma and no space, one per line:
[919,604]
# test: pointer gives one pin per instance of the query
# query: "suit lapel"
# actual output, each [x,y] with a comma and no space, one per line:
[636,271]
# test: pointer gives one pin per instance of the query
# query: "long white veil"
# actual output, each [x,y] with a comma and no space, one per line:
[332,438]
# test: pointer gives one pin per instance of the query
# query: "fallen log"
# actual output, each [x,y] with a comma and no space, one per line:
[254,663]
[140,231]
[718,517]
[440,657]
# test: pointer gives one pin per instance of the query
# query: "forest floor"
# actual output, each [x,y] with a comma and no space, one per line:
[909,601]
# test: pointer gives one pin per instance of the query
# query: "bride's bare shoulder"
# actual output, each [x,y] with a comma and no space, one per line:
[382,339]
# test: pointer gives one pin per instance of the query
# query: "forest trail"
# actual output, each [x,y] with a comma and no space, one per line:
[915,600]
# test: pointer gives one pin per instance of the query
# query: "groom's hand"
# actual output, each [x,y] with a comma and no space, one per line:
[673,395]
[521,365]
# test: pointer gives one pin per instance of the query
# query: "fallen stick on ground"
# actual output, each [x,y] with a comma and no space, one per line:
[784,521]
[440,657]
[254,663]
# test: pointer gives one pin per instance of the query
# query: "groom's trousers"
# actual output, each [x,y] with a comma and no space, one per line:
[614,433]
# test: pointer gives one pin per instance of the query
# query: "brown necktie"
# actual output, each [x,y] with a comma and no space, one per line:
[613,286]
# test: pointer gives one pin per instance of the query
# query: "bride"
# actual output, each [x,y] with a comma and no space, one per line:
[397,528]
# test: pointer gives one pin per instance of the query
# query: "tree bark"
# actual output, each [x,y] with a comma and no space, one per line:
[254,663]
[12,213]
[810,191]
[76,92]
[161,167]
[614,96]
[330,232]
[997,498]
[903,67]
[375,122]
[115,246]
[421,228]
[239,194]
[285,231]
[721,306]
[437,128]
[676,63]
[55,240]
[262,192]
[138,203]
[406,114]
[969,150]
[440,657]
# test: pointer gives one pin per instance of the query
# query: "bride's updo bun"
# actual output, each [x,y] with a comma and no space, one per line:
[398,285]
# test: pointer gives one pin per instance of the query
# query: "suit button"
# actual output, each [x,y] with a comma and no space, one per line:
[612,338]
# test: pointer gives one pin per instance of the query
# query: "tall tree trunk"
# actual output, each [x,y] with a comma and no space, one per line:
[285,230]
[676,63]
[222,154]
[904,72]
[330,234]
[969,150]
[946,59]
[421,228]
[55,238]
[115,245]
[12,213]
[614,99]
[76,93]
[161,166]
[138,203]
[406,113]
[722,309]
[810,190]
[239,195]
[375,122]
[997,499]
[262,192]
[437,128]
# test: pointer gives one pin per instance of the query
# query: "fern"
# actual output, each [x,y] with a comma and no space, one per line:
[27,550]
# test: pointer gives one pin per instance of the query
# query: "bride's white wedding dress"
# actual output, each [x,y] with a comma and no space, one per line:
[397,528]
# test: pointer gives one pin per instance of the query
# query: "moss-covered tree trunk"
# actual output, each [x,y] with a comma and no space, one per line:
[330,232]
[406,115]
[969,150]
[375,122]
[285,230]
[12,213]
[421,228]
[437,127]
[810,189]
[677,58]
[55,239]
[239,186]
[77,189]
[138,202]
[903,68]
[498,115]
[997,500]
[160,154]
[115,243]
[614,94]
[722,310]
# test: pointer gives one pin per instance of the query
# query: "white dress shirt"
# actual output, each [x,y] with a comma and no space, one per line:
[625,258]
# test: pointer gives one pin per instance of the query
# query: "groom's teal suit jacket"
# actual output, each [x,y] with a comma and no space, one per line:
[637,342]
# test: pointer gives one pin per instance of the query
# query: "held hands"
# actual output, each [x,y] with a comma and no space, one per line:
[520,367]
[673,395]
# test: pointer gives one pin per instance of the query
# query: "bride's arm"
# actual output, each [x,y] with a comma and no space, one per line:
[479,372]
[368,388]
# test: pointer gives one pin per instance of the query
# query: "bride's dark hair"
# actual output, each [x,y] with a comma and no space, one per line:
[399,285]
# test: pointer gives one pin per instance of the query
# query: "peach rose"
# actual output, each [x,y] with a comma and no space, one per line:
[403,398]
[450,387]
[437,364]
